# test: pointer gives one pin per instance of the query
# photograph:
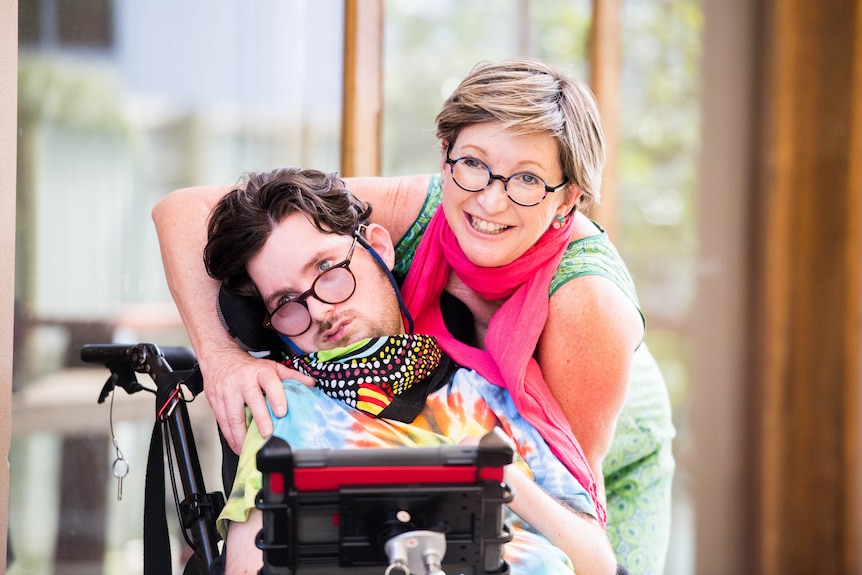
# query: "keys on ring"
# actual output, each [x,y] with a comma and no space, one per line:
[119,469]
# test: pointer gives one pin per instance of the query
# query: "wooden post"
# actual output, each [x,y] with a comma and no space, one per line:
[605,70]
[363,92]
[807,293]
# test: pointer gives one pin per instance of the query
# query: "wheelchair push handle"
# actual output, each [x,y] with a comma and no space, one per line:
[123,360]
[113,353]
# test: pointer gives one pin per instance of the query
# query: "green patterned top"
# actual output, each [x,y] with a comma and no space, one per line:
[638,469]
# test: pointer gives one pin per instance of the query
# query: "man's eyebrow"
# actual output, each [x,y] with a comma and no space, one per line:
[321,254]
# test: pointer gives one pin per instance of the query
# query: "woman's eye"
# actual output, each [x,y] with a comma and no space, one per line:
[529,179]
[473,163]
[324,265]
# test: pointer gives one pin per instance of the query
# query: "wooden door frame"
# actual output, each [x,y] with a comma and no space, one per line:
[807,289]
[8,167]
[362,103]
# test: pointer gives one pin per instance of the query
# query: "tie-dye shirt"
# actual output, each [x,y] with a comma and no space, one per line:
[467,406]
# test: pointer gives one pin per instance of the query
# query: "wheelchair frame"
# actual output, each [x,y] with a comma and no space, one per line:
[172,438]
[466,510]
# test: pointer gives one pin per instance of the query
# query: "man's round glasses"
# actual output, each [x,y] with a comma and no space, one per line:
[333,285]
[523,188]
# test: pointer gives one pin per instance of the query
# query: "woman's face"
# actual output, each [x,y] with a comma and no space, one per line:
[491,229]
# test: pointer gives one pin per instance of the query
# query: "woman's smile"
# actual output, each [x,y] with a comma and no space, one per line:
[486,227]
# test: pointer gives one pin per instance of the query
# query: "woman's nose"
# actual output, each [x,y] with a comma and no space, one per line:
[494,198]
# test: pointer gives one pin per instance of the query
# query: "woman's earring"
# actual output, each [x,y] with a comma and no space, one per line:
[558,222]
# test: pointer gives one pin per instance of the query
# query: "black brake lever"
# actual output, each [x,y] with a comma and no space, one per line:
[123,376]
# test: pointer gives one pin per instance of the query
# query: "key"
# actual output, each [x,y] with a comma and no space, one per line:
[120,469]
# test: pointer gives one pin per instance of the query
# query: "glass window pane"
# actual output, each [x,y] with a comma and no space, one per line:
[659,143]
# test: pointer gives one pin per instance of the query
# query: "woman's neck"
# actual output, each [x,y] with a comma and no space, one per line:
[483,310]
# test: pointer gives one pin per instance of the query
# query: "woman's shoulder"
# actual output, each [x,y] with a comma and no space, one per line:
[406,247]
[593,253]
[396,201]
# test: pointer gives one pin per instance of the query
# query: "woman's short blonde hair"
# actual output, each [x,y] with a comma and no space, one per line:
[530,96]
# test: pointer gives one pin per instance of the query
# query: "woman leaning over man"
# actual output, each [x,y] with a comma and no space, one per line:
[498,237]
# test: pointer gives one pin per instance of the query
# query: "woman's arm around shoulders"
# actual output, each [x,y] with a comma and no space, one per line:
[396,201]
[586,354]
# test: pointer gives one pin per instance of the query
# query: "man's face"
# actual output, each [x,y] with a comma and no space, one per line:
[294,256]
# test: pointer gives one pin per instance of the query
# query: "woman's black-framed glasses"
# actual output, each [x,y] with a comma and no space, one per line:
[333,285]
[523,188]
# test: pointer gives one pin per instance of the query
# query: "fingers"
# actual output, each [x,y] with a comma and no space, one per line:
[225,377]
[285,372]
[231,419]
[250,383]
[271,383]
[233,382]
[233,428]
[252,394]
[229,416]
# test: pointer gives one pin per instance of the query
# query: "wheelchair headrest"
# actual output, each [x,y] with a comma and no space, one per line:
[242,317]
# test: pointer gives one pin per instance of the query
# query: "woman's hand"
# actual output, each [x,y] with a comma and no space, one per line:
[234,379]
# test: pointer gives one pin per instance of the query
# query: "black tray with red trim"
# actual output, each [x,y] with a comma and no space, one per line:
[330,511]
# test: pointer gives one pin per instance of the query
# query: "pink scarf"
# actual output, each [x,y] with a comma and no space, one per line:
[513,332]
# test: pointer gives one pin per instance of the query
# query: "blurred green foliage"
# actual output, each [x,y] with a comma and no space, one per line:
[659,147]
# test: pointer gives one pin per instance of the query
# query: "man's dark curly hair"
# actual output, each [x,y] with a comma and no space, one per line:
[243,219]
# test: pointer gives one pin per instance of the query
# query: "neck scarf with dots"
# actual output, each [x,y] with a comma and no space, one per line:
[387,377]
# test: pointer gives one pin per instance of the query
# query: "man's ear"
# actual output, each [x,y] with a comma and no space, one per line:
[381,241]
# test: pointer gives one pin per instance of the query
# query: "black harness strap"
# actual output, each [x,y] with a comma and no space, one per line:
[157,545]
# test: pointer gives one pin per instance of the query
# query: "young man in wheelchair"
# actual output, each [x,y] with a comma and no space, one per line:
[301,244]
